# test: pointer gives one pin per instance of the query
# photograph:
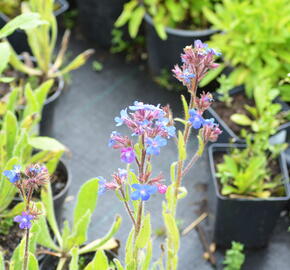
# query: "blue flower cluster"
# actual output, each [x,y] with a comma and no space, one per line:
[197,121]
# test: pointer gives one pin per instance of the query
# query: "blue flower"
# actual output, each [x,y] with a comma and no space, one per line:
[154,145]
[171,130]
[102,185]
[187,76]
[13,175]
[24,220]
[198,44]
[195,119]
[127,155]
[213,51]
[142,192]
[112,141]
[120,120]
[141,106]
[209,121]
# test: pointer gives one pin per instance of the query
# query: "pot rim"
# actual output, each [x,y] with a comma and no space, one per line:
[64,5]
[215,147]
[183,32]
[56,94]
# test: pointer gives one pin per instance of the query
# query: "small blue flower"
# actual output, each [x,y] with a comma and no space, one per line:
[120,120]
[198,44]
[102,185]
[171,130]
[112,141]
[141,106]
[154,145]
[142,192]
[195,119]
[209,121]
[122,173]
[24,220]
[213,51]
[187,76]
[13,175]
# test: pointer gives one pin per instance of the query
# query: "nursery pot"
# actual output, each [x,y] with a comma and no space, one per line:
[97,18]
[249,221]
[46,125]
[229,135]
[58,199]
[164,54]
[18,39]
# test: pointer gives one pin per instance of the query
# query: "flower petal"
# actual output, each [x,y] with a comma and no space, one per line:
[135,195]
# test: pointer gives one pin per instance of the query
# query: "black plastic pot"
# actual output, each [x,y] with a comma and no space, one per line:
[50,262]
[59,198]
[249,221]
[229,135]
[46,125]
[97,18]
[18,39]
[164,54]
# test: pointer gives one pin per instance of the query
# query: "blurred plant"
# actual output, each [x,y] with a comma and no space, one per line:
[18,144]
[27,181]
[9,6]
[266,115]
[248,171]
[71,243]
[42,42]
[224,90]
[284,87]
[235,258]
[70,18]
[134,50]
[165,13]
[246,44]
[97,66]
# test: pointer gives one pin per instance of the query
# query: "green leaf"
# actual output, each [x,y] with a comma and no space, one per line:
[117,263]
[101,243]
[32,262]
[172,229]
[172,172]
[80,230]
[181,146]
[145,233]
[126,13]
[87,199]
[4,56]
[211,75]
[241,119]
[2,266]
[74,259]
[135,20]
[146,263]
[185,107]
[11,128]
[16,210]
[99,262]
[46,143]
[42,91]
[46,198]
[24,21]
[97,66]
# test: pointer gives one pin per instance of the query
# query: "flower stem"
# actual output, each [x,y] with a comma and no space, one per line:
[61,263]
[25,264]
[190,164]
[127,207]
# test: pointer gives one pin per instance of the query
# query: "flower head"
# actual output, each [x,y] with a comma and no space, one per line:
[14,175]
[210,131]
[141,106]
[195,119]
[142,192]
[123,116]
[37,175]
[162,188]
[24,220]
[127,155]
[154,145]
[104,185]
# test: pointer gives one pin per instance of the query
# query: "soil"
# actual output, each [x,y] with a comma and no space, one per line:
[50,263]
[10,241]
[237,106]
[273,165]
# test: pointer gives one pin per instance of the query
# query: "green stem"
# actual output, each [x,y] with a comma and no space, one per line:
[61,263]
[25,264]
